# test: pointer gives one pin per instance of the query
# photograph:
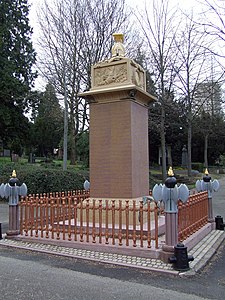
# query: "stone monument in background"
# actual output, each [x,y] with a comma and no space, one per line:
[184,161]
[119,156]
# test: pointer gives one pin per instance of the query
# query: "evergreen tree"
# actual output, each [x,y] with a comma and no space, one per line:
[48,125]
[17,57]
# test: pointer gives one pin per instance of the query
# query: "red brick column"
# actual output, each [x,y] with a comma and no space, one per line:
[119,166]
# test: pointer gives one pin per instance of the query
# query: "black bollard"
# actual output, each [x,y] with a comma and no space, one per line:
[219,223]
[181,258]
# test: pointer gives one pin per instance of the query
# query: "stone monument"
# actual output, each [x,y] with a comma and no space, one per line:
[184,157]
[119,164]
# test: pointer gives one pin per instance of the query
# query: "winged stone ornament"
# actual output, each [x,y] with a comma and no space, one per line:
[170,193]
[12,191]
[183,193]
[157,192]
[86,185]
[198,185]
[206,184]
[23,190]
[215,185]
[7,190]
[2,193]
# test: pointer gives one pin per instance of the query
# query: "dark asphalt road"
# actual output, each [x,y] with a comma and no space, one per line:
[208,284]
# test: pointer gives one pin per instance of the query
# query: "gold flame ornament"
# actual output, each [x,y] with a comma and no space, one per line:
[14,174]
[206,172]
[170,172]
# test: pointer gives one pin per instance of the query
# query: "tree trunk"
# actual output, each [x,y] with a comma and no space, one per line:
[163,143]
[189,148]
[73,153]
[73,145]
[206,151]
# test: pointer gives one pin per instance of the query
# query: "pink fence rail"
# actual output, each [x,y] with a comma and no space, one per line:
[74,217]
[192,215]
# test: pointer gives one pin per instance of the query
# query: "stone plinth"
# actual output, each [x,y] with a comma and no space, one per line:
[14,228]
[119,165]
[117,72]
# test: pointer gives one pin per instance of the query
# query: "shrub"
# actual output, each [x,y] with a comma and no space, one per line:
[198,166]
[45,180]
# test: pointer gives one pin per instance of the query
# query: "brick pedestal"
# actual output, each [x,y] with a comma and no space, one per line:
[119,165]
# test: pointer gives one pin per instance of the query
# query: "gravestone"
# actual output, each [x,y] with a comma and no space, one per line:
[6,153]
[184,157]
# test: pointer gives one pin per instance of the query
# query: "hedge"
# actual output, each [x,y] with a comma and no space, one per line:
[45,180]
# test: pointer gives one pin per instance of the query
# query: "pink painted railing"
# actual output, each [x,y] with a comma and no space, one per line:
[72,218]
[75,217]
[192,215]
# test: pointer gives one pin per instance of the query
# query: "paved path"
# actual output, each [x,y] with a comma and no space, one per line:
[219,199]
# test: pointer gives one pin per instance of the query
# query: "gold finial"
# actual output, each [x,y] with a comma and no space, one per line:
[14,174]
[118,48]
[206,172]
[170,172]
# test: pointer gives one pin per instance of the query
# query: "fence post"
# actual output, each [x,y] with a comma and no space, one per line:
[13,190]
[169,193]
[206,184]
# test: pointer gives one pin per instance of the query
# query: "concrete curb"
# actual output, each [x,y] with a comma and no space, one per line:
[212,248]
[211,252]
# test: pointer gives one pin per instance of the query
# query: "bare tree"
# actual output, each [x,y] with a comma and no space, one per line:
[159,29]
[213,23]
[208,109]
[75,35]
[192,72]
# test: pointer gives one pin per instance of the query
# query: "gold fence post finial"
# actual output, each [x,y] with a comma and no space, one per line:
[170,172]
[206,172]
[14,174]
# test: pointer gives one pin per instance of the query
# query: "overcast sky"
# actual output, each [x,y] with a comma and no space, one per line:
[185,5]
